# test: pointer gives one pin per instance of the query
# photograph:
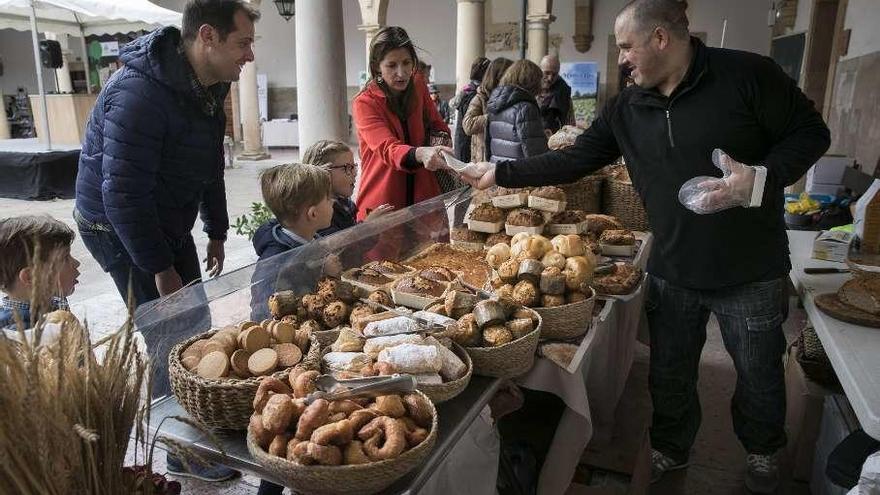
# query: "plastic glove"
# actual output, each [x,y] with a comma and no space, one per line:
[741,185]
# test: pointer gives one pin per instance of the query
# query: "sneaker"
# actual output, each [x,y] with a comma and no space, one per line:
[661,464]
[763,473]
[212,473]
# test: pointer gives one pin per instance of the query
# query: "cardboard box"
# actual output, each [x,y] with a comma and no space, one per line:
[829,170]
[832,245]
[805,400]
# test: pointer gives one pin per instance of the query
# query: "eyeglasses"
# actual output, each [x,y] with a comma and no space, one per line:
[348,168]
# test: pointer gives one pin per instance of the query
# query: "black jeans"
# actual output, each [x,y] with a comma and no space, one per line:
[750,317]
[160,333]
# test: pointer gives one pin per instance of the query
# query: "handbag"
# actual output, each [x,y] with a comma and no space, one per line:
[448,181]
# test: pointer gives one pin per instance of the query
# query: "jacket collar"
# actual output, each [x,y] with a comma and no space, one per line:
[698,67]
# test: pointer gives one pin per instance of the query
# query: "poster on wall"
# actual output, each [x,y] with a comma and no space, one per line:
[583,77]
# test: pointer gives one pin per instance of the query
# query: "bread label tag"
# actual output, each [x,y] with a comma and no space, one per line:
[486,227]
[567,228]
[516,229]
[510,200]
[544,204]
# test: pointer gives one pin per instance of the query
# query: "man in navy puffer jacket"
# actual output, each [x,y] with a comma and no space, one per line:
[152,158]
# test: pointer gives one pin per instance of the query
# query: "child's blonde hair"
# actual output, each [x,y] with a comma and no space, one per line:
[322,152]
[290,189]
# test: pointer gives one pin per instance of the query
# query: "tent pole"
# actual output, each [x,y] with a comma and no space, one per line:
[82,38]
[45,116]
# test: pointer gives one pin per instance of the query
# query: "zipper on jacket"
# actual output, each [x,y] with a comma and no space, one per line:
[669,127]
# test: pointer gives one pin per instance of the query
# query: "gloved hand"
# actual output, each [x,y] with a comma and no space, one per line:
[741,185]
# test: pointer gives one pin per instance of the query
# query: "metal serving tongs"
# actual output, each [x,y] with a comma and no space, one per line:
[331,389]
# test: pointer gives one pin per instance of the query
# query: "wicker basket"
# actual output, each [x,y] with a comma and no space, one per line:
[223,403]
[437,393]
[508,360]
[620,199]
[349,480]
[567,321]
[811,356]
[585,194]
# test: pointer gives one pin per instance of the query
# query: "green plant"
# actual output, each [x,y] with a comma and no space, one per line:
[248,223]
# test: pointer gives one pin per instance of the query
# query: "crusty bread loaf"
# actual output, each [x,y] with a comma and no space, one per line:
[862,293]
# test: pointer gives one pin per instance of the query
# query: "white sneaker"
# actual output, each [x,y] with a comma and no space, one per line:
[763,473]
[661,464]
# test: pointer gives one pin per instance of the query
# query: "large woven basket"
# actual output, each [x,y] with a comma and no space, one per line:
[222,403]
[437,393]
[811,356]
[349,480]
[567,321]
[508,360]
[620,199]
[585,194]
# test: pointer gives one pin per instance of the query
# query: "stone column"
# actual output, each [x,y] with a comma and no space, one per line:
[236,113]
[62,74]
[470,38]
[370,31]
[320,73]
[250,114]
[538,27]
[250,110]
[4,124]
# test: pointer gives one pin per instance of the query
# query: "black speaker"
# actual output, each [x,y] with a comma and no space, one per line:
[50,54]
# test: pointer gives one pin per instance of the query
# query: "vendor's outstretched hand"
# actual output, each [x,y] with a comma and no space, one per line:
[705,195]
[482,176]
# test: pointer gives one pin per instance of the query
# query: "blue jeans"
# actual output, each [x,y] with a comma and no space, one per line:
[750,317]
[160,334]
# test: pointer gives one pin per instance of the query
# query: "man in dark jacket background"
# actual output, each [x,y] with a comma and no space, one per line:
[732,260]
[152,157]
[555,96]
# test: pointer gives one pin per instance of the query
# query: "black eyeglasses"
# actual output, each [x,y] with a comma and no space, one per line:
[348,168]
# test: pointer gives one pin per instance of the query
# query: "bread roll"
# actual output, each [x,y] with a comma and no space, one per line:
[569,245]
[346,361]
[578,271]
[518,238]
[552,281]
[374,346]
[497,254]
[525,293]
[554,258]
[508,271]
[412,358]
[453,367]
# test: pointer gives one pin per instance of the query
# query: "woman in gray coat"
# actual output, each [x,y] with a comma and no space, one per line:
[515,129]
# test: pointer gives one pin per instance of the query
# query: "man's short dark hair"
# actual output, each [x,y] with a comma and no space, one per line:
[28,239]
[220,14]
[647,15]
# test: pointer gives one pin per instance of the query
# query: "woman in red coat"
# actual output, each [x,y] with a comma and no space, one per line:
[395,118]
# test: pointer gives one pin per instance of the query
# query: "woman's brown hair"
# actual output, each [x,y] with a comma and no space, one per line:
[388,39]
[525,74]
[493,74]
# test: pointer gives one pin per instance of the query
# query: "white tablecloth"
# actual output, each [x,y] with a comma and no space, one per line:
[854,350]
[592,385]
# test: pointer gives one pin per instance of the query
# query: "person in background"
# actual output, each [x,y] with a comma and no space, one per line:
[442,105]
[461,141]
[28,244]
[337,158]
[727,254]
[514,129]
[152,160]
[474,121]
[555,96]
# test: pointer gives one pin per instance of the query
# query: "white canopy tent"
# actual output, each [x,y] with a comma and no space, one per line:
[80,18]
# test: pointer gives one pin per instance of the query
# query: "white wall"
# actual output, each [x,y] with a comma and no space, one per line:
[16,50]
[863,17]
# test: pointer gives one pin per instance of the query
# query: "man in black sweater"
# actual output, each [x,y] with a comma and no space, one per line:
[687,101]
